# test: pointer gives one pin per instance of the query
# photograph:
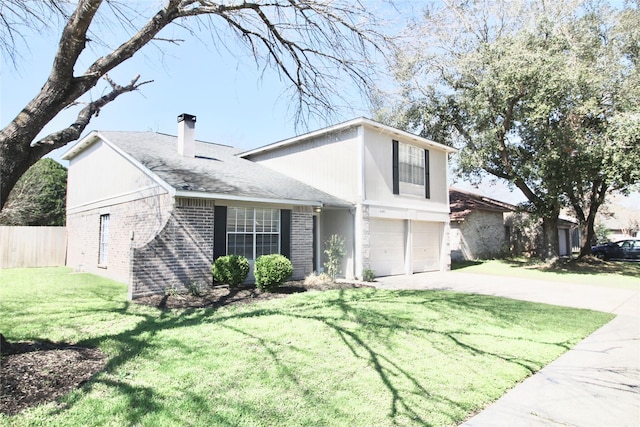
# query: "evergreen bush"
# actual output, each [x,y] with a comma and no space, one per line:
[230,269]
[271,270]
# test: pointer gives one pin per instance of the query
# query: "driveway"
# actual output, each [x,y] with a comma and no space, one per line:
[597,383]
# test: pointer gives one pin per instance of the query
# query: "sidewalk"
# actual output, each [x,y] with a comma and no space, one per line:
[597,383]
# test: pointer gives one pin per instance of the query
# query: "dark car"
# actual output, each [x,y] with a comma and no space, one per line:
[624,249]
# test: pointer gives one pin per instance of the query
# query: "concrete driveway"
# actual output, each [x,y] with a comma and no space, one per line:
[597,383]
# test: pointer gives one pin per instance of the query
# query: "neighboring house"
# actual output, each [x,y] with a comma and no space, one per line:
[483,228]
[622,222]
[154,210]
[478,229]
[396,183]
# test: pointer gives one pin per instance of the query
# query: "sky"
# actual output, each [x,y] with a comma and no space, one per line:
[236,103]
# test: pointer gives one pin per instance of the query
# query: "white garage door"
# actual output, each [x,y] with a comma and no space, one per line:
[387,237]
[426,246]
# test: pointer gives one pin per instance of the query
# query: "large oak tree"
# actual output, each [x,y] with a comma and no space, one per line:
[541,95]
[309,43]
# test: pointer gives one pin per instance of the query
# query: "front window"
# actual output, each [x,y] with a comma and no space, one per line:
[103,247]
[411,164]
[253,232]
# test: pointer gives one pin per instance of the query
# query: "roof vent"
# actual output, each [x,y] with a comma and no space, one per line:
[186,135]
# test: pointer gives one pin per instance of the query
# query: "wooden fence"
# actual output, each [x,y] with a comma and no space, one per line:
[32,247]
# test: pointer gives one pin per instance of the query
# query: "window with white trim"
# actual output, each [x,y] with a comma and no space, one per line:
[252,232]
[411,164]
[103,245]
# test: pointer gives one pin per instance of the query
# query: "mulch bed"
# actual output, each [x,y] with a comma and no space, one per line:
[34,373]
[219,296]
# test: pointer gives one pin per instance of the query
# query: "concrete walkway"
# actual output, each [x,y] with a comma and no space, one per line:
[597,383]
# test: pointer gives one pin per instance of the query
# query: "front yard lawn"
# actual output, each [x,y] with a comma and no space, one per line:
[359,357]
[591,271]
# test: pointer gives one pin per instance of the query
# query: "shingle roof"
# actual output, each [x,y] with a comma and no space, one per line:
[463,203]
[216,169]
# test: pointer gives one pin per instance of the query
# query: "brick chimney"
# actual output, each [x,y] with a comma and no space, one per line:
[186,135]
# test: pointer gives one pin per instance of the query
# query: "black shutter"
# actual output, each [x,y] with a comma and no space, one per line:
[219,232]
[285,232]
[396,170]
[427,181]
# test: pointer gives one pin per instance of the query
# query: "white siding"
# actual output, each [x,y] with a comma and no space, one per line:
[100,176]
[378,169]
[329,163]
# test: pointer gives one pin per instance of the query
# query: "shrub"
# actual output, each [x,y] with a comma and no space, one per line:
[171,291]
[271,270]
[230,269]
[195,288]
[317,279]
[368,275]
[335,252]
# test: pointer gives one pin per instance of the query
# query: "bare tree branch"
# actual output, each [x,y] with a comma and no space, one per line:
[308,42]
[73,132]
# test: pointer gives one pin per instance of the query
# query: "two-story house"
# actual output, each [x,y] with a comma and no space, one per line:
[395,182]
[154,210]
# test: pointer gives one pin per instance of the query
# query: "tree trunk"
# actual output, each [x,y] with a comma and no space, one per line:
[550,241]
[587,224]
[588,232]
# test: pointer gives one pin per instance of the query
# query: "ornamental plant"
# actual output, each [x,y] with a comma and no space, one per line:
[271,270]
[230,269]
[334,252]
[368,275]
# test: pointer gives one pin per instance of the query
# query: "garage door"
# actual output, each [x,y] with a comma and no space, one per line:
[387,238]
[426,246]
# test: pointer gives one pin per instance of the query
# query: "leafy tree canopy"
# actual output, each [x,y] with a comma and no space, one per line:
[542,96]
[39,197]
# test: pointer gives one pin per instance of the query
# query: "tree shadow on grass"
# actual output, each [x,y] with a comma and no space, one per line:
[362,327]
[581,266]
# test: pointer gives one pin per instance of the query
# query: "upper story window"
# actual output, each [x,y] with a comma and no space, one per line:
[410,170]
[252,232]
[411,164]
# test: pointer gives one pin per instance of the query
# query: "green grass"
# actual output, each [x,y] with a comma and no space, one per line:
[602,273]
[360,357]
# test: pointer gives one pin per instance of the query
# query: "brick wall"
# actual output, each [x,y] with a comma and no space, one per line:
[131,224]
[302,242]
[178,255]
[156,245]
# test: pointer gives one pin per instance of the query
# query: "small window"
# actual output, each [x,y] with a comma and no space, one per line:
[411,164]
[103,248]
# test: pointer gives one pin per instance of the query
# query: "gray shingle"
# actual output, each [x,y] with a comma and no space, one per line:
[215,169]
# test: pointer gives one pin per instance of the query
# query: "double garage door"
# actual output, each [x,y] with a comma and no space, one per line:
[390,252]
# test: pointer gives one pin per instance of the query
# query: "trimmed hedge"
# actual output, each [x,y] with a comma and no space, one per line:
[271,270]
[230,269]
